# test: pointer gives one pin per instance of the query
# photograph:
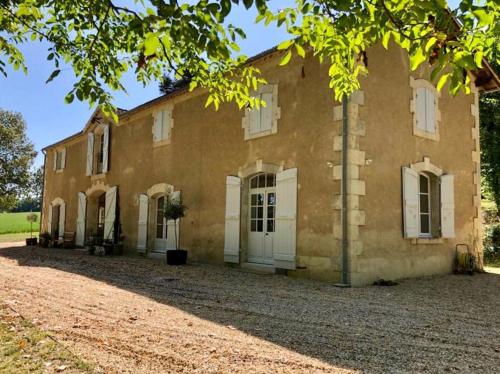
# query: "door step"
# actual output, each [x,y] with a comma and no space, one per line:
[258,268]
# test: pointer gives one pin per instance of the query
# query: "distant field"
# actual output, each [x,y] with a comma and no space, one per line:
[16,222]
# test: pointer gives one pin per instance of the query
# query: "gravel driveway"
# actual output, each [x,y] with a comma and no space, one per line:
[138,315]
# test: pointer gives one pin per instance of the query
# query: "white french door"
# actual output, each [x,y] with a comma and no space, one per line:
[262,209]
[161,226]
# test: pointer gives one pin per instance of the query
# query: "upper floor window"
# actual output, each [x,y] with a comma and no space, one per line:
[98,150]
[60,159]
[424,106]
[162,126]
[263,121]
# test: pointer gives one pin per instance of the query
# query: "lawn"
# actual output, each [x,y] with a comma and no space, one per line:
[24,348]
[16,237]
[16,222]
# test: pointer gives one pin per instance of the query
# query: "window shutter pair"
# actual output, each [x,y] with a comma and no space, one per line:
[63,159]
[162,125]
[105,151]
[411,215]
[142,230]
[261,119]
[426,110]
[284,248]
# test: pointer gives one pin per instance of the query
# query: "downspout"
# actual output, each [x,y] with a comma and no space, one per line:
[344,188]
[43,193]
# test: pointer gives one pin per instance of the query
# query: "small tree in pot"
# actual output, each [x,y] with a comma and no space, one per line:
[174,210]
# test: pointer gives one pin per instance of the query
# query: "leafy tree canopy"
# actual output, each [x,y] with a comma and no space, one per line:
[489,107]
[16,156]
[101,40]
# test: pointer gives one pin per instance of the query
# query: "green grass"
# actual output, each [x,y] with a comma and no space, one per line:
[26,349]
[16,237]
[16,222]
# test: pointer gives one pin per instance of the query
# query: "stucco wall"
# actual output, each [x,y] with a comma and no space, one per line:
[206,146]
[390,144]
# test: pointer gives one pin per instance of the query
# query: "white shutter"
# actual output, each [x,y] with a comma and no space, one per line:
[172,227]
[447,207]
[49,220]
[167,120]
[430,111]
[90,153]
[63,158]
[110,213]
[254,121]
[420,111]
[105,149]
[142,231]
[410,203]
[80,220]
[55,160]
[62,219]
[284,246]
[157,126]
[266,113]
[232,228]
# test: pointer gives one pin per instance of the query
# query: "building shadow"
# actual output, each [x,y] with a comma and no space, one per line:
[431,324]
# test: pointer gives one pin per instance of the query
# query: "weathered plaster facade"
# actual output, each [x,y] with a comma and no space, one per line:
[206,146]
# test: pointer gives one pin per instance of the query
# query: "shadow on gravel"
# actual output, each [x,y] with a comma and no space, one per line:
[433,324]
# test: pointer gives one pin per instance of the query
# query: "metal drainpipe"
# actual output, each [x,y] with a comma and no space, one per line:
[43,193]
[344,185]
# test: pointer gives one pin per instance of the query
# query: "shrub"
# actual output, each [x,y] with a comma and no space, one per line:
[492,243]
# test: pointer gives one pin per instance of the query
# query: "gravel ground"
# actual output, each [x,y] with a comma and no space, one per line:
[137,315]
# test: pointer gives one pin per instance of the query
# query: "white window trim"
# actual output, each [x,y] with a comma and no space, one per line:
[63,159]
[164,141]
[420,167]
[276,113]
[422,83]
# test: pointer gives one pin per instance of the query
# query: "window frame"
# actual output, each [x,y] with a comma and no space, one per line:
[429,206]
[58,160]
[416,85]
[166,127]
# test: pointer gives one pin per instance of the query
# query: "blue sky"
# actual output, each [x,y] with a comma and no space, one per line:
[42,105]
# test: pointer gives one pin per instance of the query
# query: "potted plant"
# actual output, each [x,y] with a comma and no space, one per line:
[32,217]
[108,247]
[90,244]
[45,239]
[174,210]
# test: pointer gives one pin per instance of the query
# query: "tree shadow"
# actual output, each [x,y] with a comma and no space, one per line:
[426,325]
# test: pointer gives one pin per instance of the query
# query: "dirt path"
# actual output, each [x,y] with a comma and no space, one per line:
[137,315]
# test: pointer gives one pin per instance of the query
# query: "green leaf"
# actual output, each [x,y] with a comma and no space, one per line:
[54,74]
[442,81]
[417,58]
[300,50]
[385,39]
[284,45]
[286,58]
[151,44]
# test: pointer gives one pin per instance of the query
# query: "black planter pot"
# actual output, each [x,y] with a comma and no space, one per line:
[108,249]
[177,257]
[44,242]
[31,241]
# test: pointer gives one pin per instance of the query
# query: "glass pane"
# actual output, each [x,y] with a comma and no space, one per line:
[270,225]
[270,212]
[270,180]
[253,182]
[253,226]
[253,213]
[260,225]
[424,203]
[262,180]
[424,224]
[253,200]
[424,186]
[260,212]
[271,199]
[159,231]
[161,201]
[260,199]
